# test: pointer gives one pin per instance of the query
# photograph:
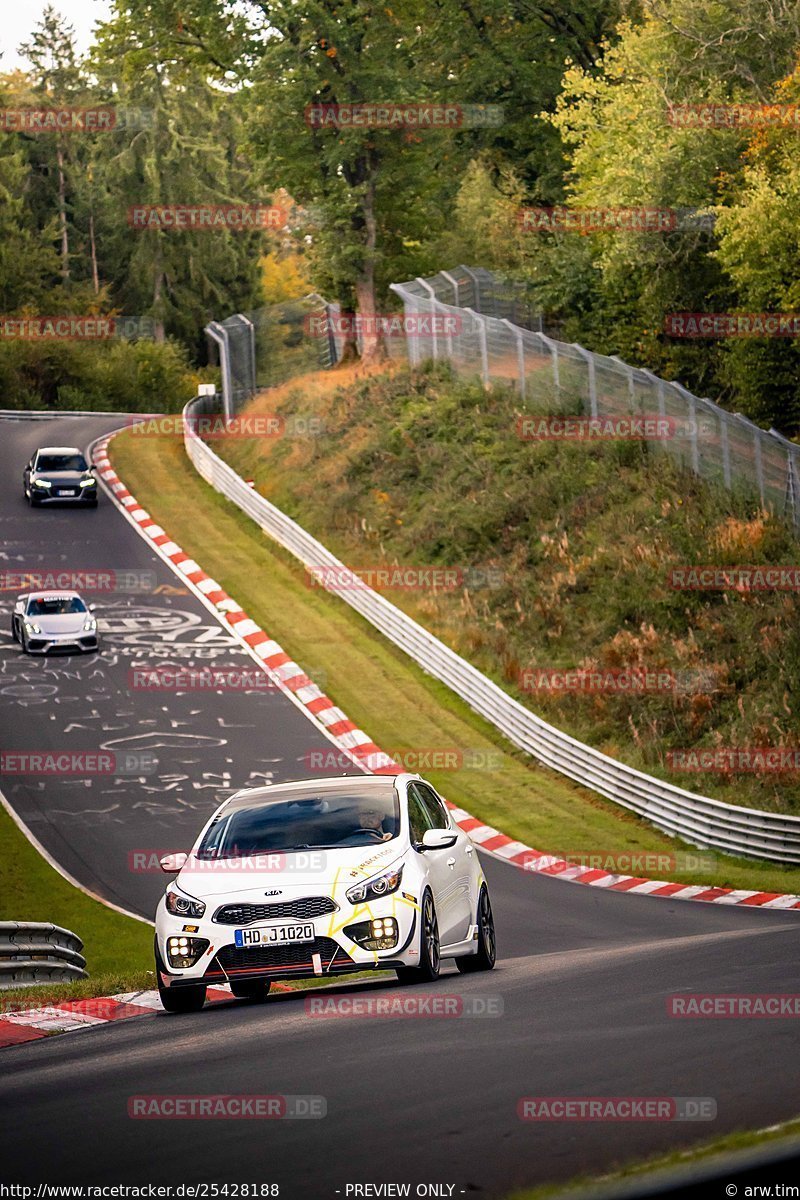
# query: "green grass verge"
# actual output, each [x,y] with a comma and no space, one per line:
[781,1137]
[118,950]
[383,691]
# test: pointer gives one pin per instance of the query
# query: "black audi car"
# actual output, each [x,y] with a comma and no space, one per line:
[59,474]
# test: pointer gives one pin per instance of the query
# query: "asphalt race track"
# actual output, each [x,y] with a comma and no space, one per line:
[582,979]
[195,748]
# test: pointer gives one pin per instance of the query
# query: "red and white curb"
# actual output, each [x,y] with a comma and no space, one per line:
[69,1016]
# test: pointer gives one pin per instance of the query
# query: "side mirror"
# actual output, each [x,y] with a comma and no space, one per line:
[438,839]
[92,607]
[172,863]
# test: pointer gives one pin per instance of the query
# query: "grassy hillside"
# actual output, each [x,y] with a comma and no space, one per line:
[390,697]
[567,550]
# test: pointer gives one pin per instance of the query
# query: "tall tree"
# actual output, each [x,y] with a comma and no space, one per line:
[179,147]
[28,256]
[56,80]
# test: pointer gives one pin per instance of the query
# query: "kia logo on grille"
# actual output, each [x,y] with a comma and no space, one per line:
[274,892]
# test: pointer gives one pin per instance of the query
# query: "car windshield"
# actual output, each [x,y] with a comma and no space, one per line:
[48,606]
[61,462]
[307,823]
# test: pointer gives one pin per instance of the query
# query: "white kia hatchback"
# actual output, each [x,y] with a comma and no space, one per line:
[321,878]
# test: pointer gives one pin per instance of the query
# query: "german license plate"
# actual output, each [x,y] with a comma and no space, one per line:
[65,491]
[273,935]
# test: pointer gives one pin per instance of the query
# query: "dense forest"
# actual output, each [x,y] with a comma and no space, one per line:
[561,104]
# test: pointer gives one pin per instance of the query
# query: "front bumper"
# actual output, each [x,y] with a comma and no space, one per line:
[42,643]
[331,953]
[59,496]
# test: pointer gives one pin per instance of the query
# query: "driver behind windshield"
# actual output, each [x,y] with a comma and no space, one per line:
[370,817]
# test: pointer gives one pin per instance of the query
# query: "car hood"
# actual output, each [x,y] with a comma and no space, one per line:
[58,623]
[62,477]
[288,875]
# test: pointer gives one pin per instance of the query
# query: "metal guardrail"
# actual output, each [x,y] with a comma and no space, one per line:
[35,952]
[25,414]
[696,819]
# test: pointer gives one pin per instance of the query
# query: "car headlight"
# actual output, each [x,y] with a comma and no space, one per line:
[89,625]
[45,483]
[90,482]
[32,627]
[375,888]
[184,906]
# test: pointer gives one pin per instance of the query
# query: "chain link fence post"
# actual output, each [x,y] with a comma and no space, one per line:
[758,462]
[791,502]
[481,325]
[517,333]
[553,347]
[588,358]
[627,370]
[726,451]
[219,335]
[476,289]
[691,408]
[432,295]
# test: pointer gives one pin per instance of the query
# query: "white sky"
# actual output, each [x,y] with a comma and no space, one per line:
[20,17]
